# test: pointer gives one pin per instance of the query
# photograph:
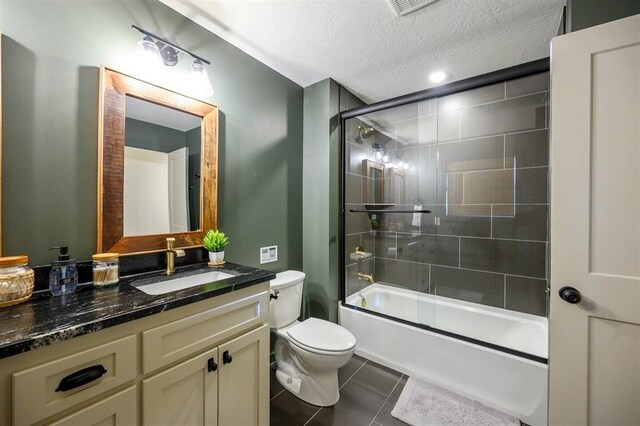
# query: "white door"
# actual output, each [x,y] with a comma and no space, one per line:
[594,353]
[145,192]
[179,190]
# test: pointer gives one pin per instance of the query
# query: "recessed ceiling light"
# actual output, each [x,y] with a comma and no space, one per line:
[438,76]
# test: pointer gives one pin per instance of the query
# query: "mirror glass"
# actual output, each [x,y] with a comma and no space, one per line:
[397,186]
[374,182]
[161,169]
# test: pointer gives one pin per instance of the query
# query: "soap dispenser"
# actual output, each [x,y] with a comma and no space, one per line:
[63,278]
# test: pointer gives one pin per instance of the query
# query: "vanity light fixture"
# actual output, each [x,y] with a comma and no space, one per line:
[377,151]
[199,79]
[402,163]
[380,153]
[156,50]
[149,53]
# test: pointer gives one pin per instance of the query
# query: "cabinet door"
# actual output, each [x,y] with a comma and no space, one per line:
[243,381]
[119,409]
[183,395]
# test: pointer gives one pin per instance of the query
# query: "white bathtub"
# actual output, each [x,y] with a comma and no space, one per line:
[510,383]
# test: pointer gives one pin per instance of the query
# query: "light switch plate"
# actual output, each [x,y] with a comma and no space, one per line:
[268,254]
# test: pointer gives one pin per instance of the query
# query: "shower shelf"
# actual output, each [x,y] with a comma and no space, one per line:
[388,211]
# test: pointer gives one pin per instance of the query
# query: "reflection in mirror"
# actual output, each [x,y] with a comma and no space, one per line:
[397,195]
[161,169]
[374,182]
[469,193]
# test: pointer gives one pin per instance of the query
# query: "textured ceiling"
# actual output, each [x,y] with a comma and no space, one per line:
[363,45]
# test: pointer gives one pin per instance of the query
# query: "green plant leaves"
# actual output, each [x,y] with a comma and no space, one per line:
[215,241]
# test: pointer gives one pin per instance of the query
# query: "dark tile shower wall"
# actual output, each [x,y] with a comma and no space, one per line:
[479,160]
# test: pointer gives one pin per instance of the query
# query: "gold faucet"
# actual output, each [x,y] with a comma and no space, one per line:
[365,277]
[359,253]
[172,253]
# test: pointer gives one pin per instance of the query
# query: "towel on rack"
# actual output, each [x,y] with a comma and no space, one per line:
[417,217]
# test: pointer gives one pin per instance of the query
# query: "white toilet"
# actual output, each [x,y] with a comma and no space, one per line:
[308,353]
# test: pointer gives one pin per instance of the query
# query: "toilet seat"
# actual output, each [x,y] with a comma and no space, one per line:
[323,337]
[318,351]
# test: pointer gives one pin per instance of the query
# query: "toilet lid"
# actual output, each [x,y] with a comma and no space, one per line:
[322,335]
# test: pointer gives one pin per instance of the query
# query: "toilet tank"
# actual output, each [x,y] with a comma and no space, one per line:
[286,308]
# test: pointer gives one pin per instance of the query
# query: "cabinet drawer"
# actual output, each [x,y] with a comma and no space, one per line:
[171,342]
[120,409]
[37,392]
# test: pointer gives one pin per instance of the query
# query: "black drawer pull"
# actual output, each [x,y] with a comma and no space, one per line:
[211,365]
[226,358]
[81,377]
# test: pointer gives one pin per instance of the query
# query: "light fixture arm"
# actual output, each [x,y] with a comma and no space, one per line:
[168,43]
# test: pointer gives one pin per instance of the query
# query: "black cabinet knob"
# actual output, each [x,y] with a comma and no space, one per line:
[226,358]
[570,295]
[211,365]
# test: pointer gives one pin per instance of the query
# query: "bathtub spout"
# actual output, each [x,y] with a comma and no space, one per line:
[365,277]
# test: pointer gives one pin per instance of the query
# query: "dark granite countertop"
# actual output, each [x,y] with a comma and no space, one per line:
[46,319]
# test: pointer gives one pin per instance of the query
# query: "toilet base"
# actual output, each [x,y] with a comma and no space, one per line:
[315,387]
[317,391]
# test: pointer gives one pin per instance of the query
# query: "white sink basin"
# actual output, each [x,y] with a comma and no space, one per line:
[183,282]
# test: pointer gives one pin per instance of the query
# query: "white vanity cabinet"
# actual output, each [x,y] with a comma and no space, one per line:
[241,393]
[205,363]
[186,394]
[223,386]
[118,409]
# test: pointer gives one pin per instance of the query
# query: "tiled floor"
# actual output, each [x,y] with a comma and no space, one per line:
[368,393]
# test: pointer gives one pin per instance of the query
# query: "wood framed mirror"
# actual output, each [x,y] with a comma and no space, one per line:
[157,166]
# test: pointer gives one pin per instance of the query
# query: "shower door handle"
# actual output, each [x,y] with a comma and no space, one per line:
[570,295]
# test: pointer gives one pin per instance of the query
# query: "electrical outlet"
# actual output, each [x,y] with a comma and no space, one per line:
[268,254]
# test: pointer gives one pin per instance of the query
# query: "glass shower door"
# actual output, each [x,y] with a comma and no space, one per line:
[384,197]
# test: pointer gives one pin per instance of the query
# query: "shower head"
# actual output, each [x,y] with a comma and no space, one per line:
[364,133]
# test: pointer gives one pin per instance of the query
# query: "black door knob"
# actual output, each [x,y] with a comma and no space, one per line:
[570,295]
[226,358]
[211,365]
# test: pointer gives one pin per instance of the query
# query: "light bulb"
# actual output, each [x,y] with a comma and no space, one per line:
[405,166]
[377,155]
[149,53]
[199,84]
[385,158]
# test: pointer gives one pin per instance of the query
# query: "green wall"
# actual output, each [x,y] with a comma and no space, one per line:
[320,200]
[588,13]
[51,51]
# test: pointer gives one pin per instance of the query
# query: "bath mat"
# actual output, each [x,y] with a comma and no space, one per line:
[425,404]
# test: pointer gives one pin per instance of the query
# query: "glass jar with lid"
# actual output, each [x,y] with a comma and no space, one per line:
[105,269]
[16,280]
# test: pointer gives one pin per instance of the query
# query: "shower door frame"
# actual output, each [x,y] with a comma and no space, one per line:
[511,73]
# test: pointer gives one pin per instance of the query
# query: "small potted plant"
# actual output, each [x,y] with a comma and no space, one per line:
[215,242]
